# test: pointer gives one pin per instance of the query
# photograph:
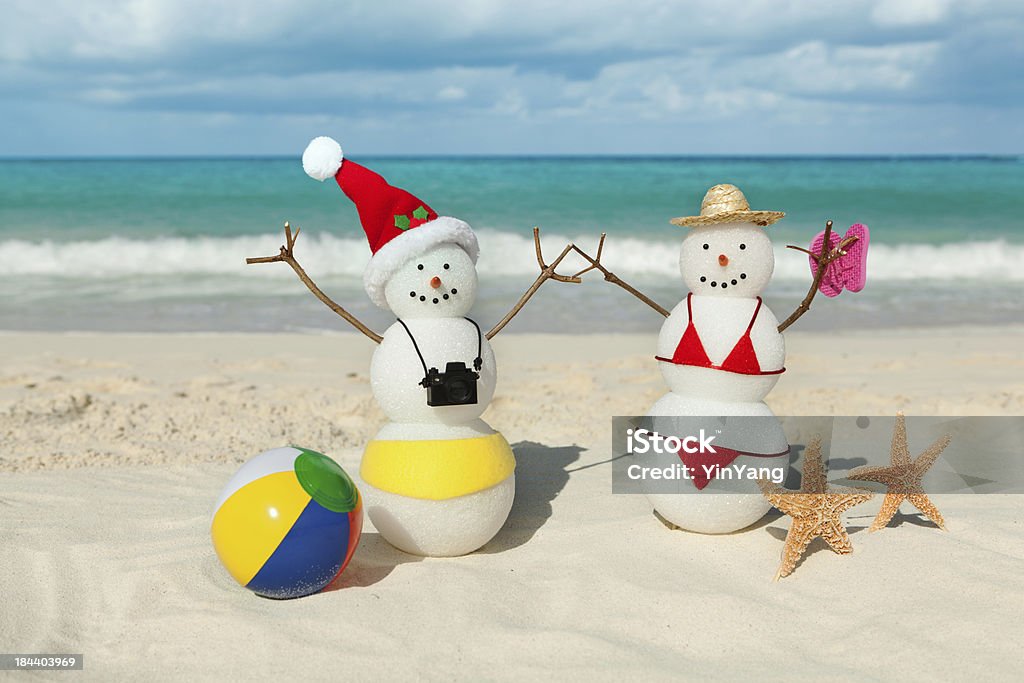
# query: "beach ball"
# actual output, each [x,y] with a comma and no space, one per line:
[287,523]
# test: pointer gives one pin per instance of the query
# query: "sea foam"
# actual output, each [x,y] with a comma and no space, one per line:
[502,254]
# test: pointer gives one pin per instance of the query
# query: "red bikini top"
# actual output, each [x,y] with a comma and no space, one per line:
[741,360]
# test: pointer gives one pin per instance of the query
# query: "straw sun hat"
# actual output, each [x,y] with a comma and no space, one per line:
[726,204]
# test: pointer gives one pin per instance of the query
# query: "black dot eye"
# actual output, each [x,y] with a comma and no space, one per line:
[714,284]
[446,266]
[703,279]
[454,291]
[743,276]
[412,293]
[707,246]
[445,297]
[420,266]
[423,298]
[743,246]
[435,301]
[734,282]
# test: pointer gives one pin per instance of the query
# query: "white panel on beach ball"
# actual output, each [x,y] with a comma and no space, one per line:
[269,462]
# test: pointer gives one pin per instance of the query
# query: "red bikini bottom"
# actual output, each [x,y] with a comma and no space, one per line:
[722,457]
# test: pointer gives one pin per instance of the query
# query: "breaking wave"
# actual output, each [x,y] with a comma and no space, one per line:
[502,254]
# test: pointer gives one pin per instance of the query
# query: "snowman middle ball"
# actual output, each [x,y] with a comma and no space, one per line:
[726,268]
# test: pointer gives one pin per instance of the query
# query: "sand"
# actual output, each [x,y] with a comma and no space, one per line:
[114,447]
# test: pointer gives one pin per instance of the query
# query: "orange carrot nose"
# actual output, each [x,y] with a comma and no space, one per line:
[435,282]
[723,260]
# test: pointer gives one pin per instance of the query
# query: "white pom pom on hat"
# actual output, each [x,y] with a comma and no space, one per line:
[322,158]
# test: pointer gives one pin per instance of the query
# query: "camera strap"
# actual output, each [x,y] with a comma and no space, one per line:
[477,362]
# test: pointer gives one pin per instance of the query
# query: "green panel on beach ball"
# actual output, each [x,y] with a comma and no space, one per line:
[325,481]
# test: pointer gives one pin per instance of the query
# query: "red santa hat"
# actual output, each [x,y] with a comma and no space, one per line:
[398,226]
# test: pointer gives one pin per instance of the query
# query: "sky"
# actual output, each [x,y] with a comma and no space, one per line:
[187,77]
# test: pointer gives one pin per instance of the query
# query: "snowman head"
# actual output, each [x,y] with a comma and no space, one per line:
[732,259]
[439,283]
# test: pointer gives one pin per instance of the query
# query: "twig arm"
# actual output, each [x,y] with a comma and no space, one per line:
[287,256]
[823,260]
[547,272]
[595,264]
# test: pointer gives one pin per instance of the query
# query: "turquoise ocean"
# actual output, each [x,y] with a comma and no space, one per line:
[159,244]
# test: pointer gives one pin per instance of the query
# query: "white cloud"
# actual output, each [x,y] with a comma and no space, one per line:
[815,68]
[532,64]
[511,103]
[910,12]
[106,96]
[451,93]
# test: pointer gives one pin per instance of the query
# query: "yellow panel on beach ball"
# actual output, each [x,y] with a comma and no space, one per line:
[277,500]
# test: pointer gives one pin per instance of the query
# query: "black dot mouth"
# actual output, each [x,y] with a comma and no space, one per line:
[724,284]
[435,300]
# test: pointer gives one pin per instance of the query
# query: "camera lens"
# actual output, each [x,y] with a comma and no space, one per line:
[458,391]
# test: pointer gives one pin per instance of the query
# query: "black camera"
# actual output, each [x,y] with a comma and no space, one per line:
[456,386]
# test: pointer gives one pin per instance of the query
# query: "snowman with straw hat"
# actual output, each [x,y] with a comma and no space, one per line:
[721,351]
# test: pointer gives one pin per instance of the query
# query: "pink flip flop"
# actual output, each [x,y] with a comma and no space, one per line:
[849,271]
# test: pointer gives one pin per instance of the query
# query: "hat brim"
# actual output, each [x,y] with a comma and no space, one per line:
[762,218]
[415,242]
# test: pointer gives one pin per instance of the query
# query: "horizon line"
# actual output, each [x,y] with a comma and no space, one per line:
[937,156]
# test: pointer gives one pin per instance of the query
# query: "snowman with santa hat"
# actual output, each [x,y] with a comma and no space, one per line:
[438,480]
[721,351]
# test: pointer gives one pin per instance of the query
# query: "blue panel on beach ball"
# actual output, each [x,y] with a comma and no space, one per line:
[310,556]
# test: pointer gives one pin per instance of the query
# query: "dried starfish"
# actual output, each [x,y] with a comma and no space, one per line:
[903,477]
[816,509]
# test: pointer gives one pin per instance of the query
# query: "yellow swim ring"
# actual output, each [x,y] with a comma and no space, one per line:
[437,469]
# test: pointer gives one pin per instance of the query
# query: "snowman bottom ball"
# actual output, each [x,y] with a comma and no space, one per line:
[439,498]
[287,523]
[723,505]
[721,494]
[705,514]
